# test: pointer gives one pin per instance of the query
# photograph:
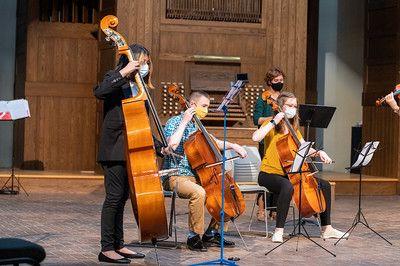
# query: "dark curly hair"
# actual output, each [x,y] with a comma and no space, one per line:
[273,73]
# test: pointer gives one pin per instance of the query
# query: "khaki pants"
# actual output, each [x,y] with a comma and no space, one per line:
[188,188]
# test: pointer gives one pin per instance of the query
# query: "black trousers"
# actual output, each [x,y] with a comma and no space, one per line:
[281,186]
[117,192]
[271,198]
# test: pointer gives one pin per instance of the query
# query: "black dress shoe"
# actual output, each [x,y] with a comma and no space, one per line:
[215,241]
[195,243]
[104,258]
[136,255]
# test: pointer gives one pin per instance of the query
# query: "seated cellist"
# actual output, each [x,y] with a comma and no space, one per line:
[272,175]
[177,130]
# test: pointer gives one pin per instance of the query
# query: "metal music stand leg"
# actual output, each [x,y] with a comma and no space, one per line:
[221,260]
[357,219]
[10,190]
[298,226]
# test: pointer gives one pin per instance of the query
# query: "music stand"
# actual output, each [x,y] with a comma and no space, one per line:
[317,116]
[296,168]
[13,189]
[364,158]
[241,80]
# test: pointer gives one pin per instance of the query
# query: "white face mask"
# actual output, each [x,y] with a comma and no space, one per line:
[144,70]
[290,112]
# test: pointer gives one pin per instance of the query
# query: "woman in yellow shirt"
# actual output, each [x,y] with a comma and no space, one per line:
[272,175]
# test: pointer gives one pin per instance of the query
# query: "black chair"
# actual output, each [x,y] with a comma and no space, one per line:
[15,251]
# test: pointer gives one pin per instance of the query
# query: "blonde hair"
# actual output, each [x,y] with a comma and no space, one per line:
[281,100]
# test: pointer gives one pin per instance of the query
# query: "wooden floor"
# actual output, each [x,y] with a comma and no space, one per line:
[344,183]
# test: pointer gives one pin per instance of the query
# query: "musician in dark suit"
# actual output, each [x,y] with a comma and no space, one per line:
[115,87]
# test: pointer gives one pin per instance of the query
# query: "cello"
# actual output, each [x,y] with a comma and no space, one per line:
[146,191]
[204,157]
[312,200]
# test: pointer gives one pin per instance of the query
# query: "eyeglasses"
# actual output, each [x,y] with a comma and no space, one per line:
[291,105]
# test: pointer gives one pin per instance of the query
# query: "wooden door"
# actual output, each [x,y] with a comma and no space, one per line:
[61,71]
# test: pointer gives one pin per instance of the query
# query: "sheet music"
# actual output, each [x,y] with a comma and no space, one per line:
[13,110]
[370,154]
[363,154]
[301,154]
[235,89]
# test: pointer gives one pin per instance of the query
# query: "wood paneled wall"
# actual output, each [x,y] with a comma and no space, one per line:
[61,70]
[64,61]
[279,40]
[381,62]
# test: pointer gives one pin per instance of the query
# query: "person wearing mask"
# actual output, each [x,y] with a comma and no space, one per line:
[272,175]
[178,129]
[274,79]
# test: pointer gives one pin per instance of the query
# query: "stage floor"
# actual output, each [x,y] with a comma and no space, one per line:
[67,225]
[88,182]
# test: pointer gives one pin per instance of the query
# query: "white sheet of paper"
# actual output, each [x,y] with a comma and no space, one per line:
[17,108]
[370,154]
[302,152]
[3,106]
[363,154]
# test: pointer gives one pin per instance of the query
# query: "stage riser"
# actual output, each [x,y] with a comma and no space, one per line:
[369,188]
[94,184]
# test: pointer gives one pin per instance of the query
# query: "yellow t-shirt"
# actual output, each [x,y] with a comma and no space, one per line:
[271,163]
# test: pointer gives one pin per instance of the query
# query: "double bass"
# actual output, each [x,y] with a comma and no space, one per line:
[312,199]
[204,157]
[143,172]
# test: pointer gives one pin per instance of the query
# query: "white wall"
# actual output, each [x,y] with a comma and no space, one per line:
[340,74]
[8,13]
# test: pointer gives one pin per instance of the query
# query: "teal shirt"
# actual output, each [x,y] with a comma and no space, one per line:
[261,109]
[182,164]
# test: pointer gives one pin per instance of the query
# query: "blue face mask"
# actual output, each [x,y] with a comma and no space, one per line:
[144,70]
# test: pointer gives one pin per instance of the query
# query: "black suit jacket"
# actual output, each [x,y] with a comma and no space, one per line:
[112,139]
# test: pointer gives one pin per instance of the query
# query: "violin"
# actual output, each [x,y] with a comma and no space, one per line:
[382,100]
[204,157]
[146,191]
[267,97]
[312,199]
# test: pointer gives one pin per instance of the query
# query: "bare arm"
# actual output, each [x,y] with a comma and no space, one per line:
[321,154]
[176,137]
[261,120]
[392,103]
[260,133]
[231,146]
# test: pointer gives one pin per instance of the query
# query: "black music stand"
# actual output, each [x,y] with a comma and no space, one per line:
[318,116]
[296,168]
[14,189]
[364,158]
